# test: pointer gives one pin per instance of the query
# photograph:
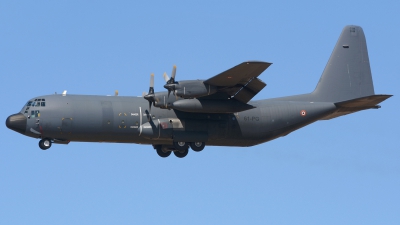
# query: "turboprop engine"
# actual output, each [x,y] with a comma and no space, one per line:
[191,88]
[188,88]
[185,100]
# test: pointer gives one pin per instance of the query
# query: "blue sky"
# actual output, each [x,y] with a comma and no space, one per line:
[341,171]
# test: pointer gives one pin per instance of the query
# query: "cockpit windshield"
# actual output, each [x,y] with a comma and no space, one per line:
[38,102]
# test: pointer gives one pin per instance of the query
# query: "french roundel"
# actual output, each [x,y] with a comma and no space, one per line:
[303,113]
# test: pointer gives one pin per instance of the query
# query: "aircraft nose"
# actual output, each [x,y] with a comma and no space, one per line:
[17,122]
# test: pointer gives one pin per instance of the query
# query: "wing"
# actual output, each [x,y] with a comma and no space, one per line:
[239,82]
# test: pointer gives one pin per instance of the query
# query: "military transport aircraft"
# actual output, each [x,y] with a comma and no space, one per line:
[215,112]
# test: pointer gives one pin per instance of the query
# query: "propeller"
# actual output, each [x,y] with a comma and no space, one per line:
[150,96]
[171,83]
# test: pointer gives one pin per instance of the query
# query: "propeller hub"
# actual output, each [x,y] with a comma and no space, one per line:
[171,83]
[169,86]
[149,97]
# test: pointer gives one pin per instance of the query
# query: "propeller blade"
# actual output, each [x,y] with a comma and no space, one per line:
[173,73]
[170,85]
[149,106]
[166,78]
[151,89]
[152,80]
[150,96]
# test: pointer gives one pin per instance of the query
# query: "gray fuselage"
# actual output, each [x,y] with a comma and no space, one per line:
[118,119]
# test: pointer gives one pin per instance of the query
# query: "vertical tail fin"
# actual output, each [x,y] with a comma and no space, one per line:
[347,74]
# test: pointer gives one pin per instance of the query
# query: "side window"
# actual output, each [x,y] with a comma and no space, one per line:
[37,113]
[32,114]
[43,103]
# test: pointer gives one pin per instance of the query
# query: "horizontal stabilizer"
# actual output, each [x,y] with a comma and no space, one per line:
[358,104]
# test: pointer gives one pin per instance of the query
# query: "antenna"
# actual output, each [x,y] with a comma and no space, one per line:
[64,93]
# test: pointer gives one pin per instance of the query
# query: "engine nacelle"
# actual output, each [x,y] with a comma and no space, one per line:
[163,101]
[193,89]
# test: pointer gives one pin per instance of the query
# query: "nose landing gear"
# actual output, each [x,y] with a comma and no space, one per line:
[45,143]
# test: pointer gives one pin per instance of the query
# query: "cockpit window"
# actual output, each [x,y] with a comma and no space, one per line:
[37,102]
[35,113]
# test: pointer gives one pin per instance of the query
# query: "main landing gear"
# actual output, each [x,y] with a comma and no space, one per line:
[181,153]
[162,151]
[45,143]
[197,146]
[180,149]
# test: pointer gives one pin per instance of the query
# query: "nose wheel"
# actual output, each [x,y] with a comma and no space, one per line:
[45,144]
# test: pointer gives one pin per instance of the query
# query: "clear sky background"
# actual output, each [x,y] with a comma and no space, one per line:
[341,171]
